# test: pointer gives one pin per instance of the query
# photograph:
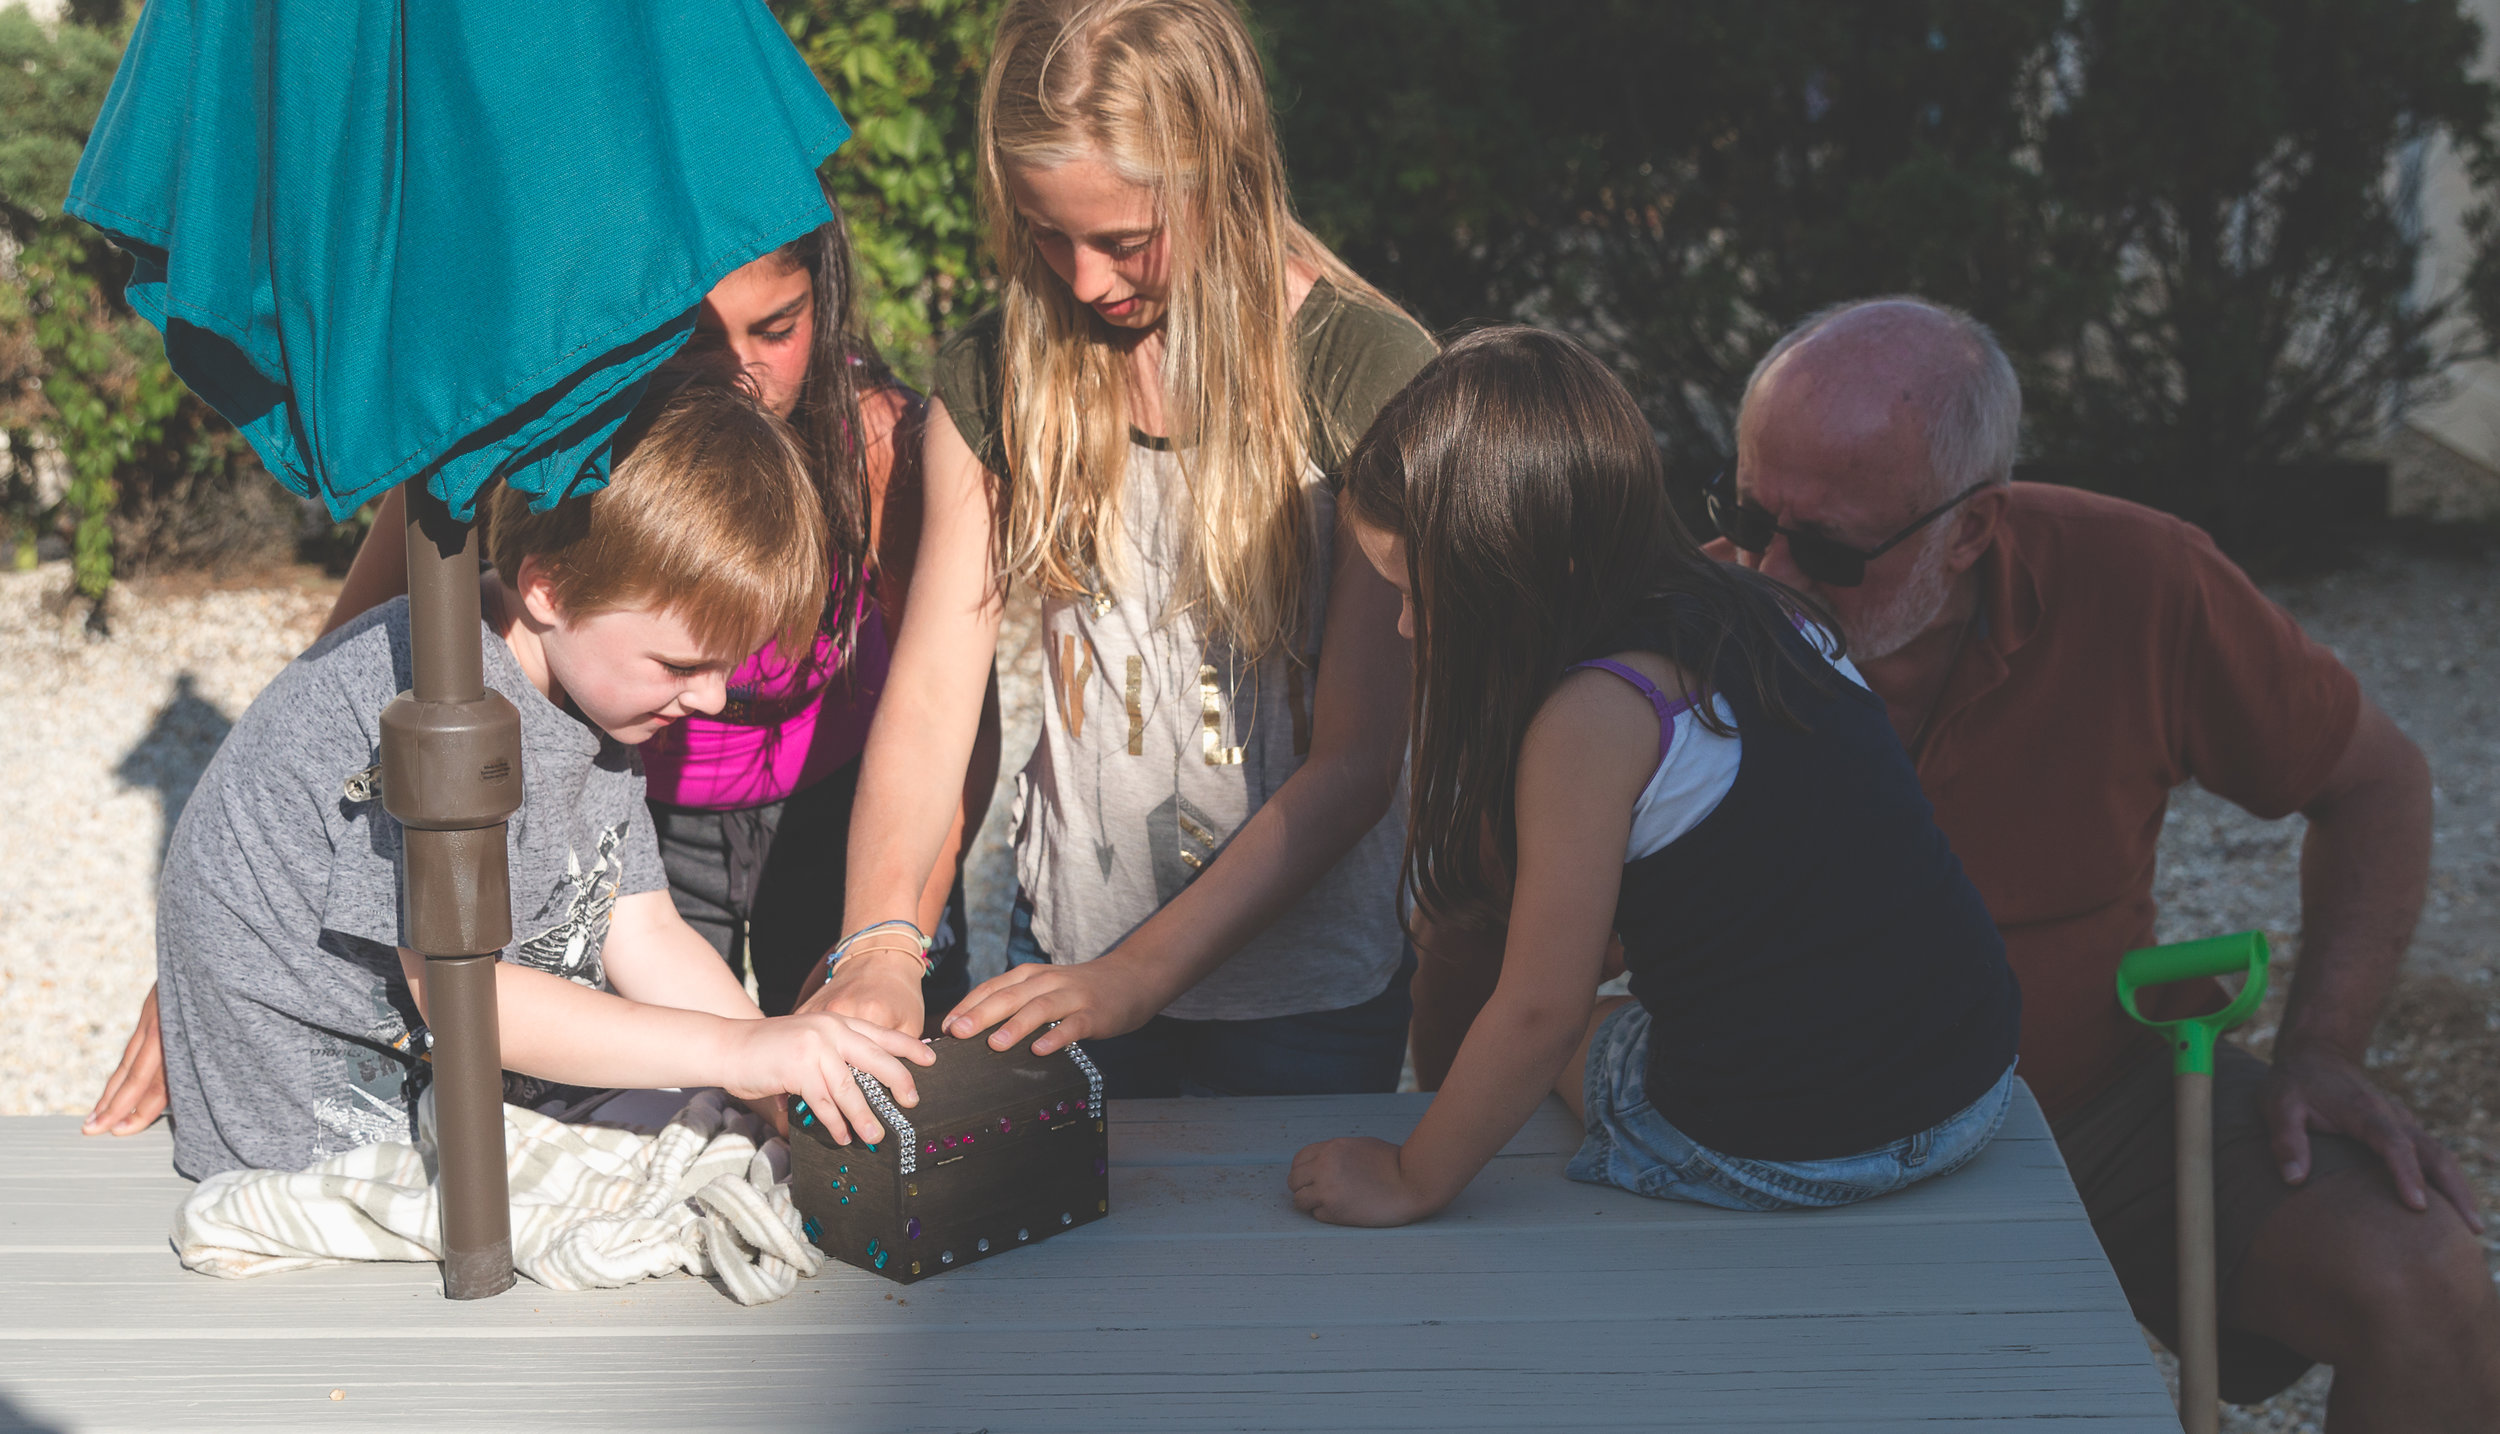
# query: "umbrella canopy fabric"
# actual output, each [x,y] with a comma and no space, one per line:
[445,239]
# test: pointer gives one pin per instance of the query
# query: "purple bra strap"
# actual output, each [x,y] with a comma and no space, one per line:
[1648,689]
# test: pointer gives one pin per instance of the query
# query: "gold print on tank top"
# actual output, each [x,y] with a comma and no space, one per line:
[1071,690]
[1211,720]
[1193,831]
[1136,707]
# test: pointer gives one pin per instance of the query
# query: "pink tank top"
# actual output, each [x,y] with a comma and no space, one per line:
[785,727]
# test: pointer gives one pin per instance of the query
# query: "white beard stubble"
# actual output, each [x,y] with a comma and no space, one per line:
[1913,607]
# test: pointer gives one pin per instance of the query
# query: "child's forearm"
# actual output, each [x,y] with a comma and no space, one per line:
[928,721]
[1503,1072]
[652,956]
[1346,784]
[557,1030]
[1273,861]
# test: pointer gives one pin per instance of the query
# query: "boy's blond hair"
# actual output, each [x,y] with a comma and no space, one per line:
[708,515]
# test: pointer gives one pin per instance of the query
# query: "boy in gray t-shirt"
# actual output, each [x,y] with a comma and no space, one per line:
[293,1014]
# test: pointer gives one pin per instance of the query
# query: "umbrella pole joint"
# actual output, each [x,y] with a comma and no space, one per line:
[451,776]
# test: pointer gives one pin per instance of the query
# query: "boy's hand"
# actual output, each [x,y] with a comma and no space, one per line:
[134,1095]
[1355,1180]
[812,1056]
[879,987]
[1094,998]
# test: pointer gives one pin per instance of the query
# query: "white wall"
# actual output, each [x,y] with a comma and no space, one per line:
[2446,453]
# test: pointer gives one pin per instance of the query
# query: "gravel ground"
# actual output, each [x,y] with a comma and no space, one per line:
[100,768]
[104,746]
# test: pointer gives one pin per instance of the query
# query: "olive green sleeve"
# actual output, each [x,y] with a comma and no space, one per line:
[965,378]
[1355,358]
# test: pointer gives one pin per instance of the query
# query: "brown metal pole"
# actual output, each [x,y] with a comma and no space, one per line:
[451,775]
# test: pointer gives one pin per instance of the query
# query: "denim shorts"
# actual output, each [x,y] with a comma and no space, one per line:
[1632,1146]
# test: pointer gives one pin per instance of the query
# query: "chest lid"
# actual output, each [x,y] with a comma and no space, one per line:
[971,1091]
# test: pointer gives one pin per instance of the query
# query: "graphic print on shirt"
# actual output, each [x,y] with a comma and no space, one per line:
[1183,841]
[366,1084]
[1069,686]
[576,914]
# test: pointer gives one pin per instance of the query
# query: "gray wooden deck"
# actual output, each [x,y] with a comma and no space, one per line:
[1204,1303]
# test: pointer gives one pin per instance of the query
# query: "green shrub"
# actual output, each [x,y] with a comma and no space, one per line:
[907,75]
[153,475]
[2187,222]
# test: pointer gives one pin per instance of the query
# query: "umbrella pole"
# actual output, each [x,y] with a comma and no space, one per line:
[451,775]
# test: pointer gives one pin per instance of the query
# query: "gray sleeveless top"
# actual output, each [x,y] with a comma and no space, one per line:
[1158,741]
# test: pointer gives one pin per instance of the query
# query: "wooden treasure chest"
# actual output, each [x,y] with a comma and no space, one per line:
[1004,1149]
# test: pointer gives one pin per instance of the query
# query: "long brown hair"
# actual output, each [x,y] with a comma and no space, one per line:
[1527,489]
[1171,95]
[842,364]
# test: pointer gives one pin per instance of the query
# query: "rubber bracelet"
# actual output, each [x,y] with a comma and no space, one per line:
[857,941]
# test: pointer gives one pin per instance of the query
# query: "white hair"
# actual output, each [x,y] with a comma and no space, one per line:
[1974,415]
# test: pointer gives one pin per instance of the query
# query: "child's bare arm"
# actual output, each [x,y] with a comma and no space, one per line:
[1585,760]
[557,1030]
[1341,791]
[654,957]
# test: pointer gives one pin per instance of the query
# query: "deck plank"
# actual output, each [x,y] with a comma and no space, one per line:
[1207,1303]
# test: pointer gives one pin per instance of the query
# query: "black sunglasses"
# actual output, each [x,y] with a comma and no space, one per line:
[1824,559]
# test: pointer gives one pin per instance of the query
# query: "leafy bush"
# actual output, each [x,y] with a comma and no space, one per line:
[152,474]
[2182,220]
[907,75]
[2188,223]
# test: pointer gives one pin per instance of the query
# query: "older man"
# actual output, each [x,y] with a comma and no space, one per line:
[2057,662]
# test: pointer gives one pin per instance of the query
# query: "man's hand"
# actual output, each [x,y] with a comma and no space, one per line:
[134,1095]
[1102,997]
[2318,1088]
[1355,1180]
[878,986]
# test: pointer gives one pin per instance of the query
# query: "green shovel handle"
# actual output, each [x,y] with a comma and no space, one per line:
[2192,1037]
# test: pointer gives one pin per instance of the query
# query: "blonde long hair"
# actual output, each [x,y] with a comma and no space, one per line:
[1171,95]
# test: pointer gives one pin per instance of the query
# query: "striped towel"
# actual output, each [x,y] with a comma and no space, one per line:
[593,1207]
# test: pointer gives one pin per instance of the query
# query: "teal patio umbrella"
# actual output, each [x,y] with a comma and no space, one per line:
[444,243]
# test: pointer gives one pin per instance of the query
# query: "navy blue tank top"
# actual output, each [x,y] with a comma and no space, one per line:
[1820,976]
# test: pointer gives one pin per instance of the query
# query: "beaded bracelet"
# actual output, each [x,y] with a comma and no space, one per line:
[886,939]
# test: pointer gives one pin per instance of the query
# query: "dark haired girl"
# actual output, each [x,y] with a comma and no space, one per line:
[1616,736]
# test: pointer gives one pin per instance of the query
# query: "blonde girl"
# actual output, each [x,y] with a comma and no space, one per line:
[1145,430]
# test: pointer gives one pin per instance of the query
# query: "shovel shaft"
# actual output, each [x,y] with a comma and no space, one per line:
[2199,1358]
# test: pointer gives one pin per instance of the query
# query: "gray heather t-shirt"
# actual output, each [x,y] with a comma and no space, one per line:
[290,1034]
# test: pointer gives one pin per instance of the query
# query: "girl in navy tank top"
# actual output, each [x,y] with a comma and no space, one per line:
[1617,739]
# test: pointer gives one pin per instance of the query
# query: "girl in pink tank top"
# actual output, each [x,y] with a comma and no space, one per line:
[752,806]
[788,725]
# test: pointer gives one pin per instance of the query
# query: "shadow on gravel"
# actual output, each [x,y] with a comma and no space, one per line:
[171,757]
